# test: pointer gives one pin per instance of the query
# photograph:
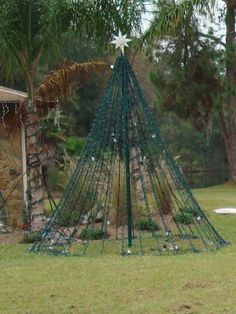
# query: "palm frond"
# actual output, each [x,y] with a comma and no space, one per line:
[60,82]
[101,19]
[29,28]
[171,16]
[26,27]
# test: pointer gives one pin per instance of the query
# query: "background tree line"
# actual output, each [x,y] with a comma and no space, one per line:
[193,77]
[196,65]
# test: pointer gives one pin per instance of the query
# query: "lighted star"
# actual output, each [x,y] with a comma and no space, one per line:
[121,42]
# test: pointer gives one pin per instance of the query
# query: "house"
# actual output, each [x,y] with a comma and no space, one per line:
[13,181]
[13,150]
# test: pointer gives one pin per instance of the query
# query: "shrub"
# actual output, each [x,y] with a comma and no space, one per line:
[93,234]
[74,145]
[184,217]
[146,224]
[56,179]
[58,175]
[31,237]
[68,219]
[192,211]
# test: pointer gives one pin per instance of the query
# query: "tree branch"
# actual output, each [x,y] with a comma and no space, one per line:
[217,40]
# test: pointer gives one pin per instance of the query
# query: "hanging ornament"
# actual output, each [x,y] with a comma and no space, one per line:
[57,117]
[7,109]
[3,115]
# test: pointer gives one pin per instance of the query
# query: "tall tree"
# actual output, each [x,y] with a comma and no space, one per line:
[30,29]
[172,16]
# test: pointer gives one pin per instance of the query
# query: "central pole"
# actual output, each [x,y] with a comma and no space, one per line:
[127,150]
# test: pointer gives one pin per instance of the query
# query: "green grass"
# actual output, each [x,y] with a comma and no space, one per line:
[190,283]
[217,197]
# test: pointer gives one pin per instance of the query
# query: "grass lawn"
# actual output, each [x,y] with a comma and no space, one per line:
[190,283]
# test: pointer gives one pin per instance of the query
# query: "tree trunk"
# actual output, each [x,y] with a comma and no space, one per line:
[230,143]
[35,181]
[229,135]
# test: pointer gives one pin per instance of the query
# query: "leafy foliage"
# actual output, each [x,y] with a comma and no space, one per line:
[193,212]
[184,217]
[196,151]
[187,76]
[204,62]
[93,234]
[31,237]
[171,16]
[67,219]
[146,224]
[31,28]
[74,145]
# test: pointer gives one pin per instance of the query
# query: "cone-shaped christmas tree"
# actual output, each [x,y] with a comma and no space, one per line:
[127,194]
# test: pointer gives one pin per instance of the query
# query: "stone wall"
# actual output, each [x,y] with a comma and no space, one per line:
[11,170]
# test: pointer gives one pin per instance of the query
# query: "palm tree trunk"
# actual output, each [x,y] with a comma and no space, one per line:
[35,180]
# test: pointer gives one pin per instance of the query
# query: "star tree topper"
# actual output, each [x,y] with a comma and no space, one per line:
[121,42]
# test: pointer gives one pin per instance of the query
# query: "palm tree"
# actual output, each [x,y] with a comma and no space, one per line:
[173,15]
[31,28]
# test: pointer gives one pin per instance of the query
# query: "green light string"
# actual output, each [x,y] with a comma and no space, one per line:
[125,163]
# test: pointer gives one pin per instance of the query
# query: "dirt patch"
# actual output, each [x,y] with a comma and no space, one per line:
[12,237]
[184,308]
[188,309]
[196,285]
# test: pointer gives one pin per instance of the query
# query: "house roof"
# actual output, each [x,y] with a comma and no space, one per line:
[12,98]
[11,95]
